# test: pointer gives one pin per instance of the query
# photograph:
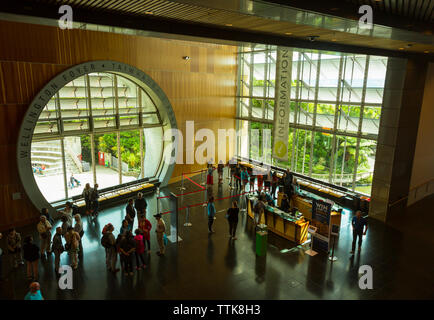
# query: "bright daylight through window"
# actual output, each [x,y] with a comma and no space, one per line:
[335,110]
[91,128]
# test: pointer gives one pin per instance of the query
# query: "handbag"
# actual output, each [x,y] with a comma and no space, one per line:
[165,240]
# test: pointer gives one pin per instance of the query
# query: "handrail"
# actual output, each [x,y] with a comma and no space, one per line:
[409,191]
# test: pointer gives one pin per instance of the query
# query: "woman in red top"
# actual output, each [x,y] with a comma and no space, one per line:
[140,249]
[145,227]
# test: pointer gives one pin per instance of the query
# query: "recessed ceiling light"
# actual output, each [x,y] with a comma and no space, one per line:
[288,33]
[228,24]
[149,12]
[401,48]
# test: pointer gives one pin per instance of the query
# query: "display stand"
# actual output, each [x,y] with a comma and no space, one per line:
[312,231]
[333,258]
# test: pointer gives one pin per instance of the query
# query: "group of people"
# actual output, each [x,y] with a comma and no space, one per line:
[128,245]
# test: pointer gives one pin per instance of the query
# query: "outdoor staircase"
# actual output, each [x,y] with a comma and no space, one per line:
[49,154]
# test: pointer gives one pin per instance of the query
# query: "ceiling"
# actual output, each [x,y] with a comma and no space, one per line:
[276,21]
[413,15]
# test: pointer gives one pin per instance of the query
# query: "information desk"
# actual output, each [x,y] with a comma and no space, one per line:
[304,205]
[281,223]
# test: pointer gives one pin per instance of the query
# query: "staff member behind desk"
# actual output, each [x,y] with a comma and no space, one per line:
[284,205]
[360,226]
[287,183]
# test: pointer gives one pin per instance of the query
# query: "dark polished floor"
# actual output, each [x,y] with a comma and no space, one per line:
[204,266]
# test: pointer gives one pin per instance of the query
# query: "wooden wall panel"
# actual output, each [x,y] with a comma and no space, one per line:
[200,89]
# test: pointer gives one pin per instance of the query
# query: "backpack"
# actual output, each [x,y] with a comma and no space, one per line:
[105,241]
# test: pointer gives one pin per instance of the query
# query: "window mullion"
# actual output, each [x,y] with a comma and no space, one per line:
[338,98]
[359,131]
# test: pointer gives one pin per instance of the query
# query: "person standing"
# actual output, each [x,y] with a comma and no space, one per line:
[160,230]
[211,214]
[34,292]
[68,212]
[72,239]
[87,195]
[267,181]
[140,250]
[140,205]
[78,227]
[31,255]
[284,204]
[124,228]
[244,178]
[108,241]
[94,196]
[65,224]
[131,213]
[209,176]
[44,230]
[258,209]
[14,247]
[233,220]
[44,212]
[57,248]
[127,248]
[360,226]
[145,227]
[287,184]
[237,176]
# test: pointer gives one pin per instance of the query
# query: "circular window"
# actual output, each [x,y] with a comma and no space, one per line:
[93,124]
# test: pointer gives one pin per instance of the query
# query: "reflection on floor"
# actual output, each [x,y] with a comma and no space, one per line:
[207,266]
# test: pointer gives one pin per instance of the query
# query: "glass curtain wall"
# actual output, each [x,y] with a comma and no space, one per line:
[335,109]
[92,131]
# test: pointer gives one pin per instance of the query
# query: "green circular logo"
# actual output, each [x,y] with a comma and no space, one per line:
[280,149]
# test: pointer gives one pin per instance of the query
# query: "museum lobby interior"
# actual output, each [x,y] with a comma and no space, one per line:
[170,99]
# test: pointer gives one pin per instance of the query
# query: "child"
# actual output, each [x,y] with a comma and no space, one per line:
[140,250]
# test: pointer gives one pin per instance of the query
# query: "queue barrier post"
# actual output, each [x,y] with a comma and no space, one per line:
[243,202]
[333,258]
[202,178]
[182,188]
[187,216]
[205,202]
[158,200]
